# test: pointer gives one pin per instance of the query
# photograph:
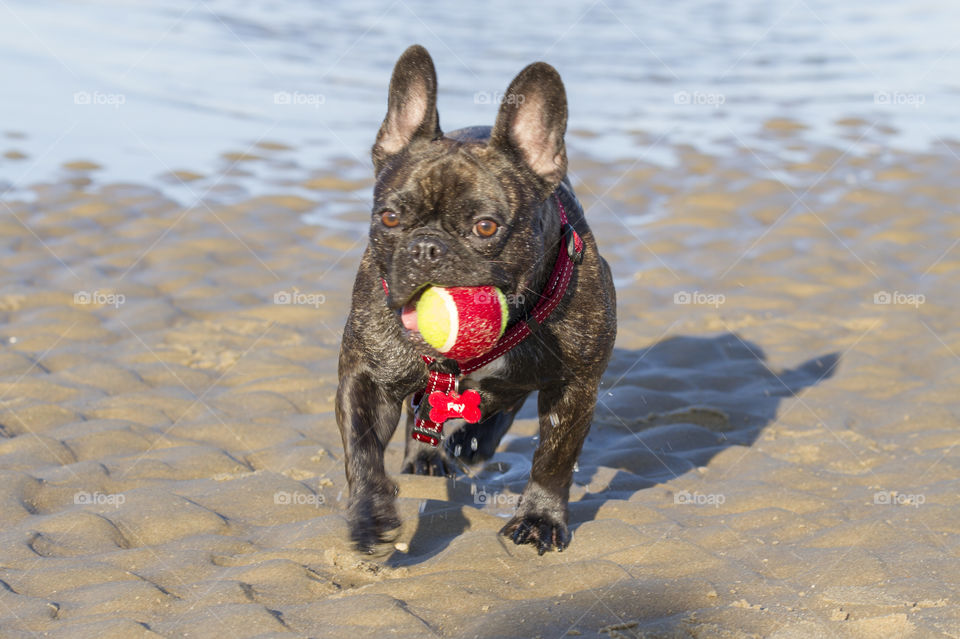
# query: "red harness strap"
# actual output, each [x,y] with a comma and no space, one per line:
[424,429]
[570,253]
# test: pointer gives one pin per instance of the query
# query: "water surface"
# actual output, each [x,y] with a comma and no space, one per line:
[146,87]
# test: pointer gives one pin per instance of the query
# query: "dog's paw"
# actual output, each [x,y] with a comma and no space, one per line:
[541,520]
[373,519]
[375,539]
[431,463]
[544,531]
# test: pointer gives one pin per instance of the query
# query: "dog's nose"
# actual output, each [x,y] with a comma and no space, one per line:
[426,250]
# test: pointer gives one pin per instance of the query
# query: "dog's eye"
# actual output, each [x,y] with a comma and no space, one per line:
[390,219]
[485,228]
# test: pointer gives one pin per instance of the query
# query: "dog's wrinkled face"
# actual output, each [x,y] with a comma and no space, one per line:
[442,218]
[464,211]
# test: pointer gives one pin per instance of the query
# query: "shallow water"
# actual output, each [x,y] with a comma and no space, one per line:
[143,88]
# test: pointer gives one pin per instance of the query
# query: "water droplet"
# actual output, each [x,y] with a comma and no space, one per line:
[474,444]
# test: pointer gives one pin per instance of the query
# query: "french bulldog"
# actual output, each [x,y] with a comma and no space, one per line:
[476,207]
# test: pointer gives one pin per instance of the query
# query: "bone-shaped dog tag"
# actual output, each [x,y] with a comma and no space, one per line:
[444,406]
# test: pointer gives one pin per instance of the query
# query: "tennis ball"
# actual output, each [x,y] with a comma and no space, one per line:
[462,321]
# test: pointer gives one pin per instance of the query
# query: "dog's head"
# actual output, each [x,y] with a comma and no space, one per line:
[465,210]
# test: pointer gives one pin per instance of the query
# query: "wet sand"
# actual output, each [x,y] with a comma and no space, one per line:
[773,452]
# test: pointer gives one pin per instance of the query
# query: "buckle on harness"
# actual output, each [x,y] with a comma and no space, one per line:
[574,243]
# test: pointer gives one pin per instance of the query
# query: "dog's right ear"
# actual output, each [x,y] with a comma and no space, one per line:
[411,106]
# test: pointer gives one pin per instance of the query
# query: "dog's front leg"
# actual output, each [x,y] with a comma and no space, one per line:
[367,419]
[541,518]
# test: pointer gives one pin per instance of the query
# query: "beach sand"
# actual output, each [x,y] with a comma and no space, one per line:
[773,453]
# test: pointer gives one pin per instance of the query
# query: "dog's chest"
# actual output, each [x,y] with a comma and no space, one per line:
[497,369]
[500,383]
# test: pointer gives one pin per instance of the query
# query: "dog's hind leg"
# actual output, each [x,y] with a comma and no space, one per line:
[468,443]
[420,458]
[474,443]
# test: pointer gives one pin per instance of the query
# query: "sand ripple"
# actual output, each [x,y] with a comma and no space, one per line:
[773,455]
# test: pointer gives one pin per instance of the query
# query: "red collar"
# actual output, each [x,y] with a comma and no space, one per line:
[442,392]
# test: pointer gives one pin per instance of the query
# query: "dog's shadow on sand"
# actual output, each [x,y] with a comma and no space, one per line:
[661,411]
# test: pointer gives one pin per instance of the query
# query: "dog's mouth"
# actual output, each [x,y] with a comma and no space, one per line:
[408,313]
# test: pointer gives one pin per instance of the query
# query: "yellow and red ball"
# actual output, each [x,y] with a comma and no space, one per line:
[462,322]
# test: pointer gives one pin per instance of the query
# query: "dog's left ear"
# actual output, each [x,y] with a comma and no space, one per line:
[411,106]
[532,121]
